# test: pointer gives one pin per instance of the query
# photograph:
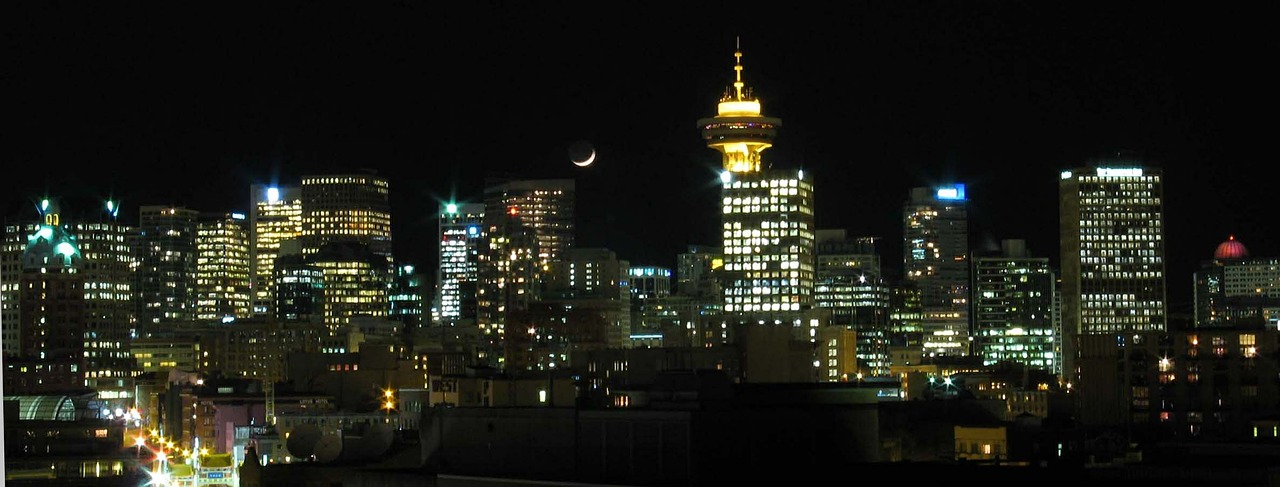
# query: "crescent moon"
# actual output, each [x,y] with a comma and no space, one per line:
[587,162]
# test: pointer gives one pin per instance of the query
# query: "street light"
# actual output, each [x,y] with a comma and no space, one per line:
[388,403]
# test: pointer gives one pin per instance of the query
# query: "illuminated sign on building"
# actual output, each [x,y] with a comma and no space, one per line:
[1112,172]
[953,192]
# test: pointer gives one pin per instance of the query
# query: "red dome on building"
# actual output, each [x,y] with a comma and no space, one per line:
[1231,249]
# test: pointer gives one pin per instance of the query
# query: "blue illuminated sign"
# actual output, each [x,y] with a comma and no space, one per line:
[953,192]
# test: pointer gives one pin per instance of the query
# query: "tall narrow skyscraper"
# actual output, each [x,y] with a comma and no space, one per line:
[222,267]
[766,214]
[1112,243]
[935,253]
[166,256]
[275,215]
[347,208]
[462,232]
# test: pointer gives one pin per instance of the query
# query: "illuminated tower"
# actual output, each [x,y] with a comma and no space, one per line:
[1112,243]
[935,253]
[528,224]
[275,215]
[461,235]
[222,267]
[52,307]
[166,255]
[767,214]
[347,208]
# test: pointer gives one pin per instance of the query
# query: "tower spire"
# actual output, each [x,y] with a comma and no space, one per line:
[737,69]
[739,130]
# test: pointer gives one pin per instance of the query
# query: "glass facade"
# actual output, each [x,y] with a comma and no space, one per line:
[166,257]
[1013,302]
[462,233]
[935,252]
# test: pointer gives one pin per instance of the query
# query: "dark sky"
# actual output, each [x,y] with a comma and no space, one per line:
[185,103]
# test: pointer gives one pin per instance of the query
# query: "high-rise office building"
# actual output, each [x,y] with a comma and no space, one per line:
[542,207]
[222,267]
[275,215]
[1236,290]
[298,287]
[849,283]
[407,298]
[766,214]
[166,257]
[347,208]
[462,234]
[528,224]
[90,329]
[51,304]
[1013,309]
[1112,245]
[935,253]
[355,283]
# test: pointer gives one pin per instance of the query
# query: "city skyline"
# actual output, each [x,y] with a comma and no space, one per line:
[875,99]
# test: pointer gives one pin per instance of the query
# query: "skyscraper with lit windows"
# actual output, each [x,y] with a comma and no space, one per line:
[766,214]
[849,283]
[166,256]
[462,233]
[222,267]
[528,225]
[354,281]
[87,333]
[347,208]
[1112,242]
[1013,308]
[275,215]
[935,253]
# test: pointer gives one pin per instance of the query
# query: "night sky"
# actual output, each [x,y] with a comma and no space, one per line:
[167,103]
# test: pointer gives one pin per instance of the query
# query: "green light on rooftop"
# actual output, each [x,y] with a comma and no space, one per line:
[451,209]
[66,249]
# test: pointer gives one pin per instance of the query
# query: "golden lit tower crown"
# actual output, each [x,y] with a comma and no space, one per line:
[739,130]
